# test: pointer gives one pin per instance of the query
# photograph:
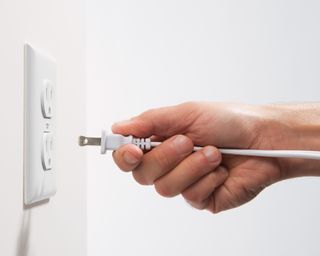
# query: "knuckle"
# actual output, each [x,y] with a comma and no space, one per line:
[250,192]
[190,104]
[163,189]
[212,210]
[191,196]
[192,107]
[140,178]
[212,205]
[201,205]
[149,112]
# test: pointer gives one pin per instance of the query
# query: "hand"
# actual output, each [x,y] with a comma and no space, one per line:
[205,178]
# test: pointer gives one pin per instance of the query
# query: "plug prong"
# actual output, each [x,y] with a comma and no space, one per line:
[89,141]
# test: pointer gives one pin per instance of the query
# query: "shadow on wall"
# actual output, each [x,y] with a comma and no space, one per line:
[23,245]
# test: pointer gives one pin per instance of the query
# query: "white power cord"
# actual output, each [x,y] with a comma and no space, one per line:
[115,141]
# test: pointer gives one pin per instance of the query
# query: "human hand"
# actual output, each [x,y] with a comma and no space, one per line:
[205,178]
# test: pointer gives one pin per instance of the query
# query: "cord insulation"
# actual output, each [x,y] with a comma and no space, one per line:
[306,154]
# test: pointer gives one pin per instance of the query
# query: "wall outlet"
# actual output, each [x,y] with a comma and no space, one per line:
[47,99]
[40,124]
[47,151]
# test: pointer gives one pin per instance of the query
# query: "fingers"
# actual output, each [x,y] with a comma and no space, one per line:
[127,157]
[189,171]
[173,169]
[161,121]
[156,162]
[199,194]
[162,159]
[235,192]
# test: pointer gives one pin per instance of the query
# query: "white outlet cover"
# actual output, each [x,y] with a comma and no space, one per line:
[40,125]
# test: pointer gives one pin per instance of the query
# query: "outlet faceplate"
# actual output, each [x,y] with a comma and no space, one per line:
[40,125]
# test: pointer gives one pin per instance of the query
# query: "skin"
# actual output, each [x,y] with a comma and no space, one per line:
[206,179]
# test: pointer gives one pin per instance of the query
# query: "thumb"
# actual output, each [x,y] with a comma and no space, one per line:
[164,122]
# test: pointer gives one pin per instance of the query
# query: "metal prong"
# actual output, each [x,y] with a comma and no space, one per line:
[88,141]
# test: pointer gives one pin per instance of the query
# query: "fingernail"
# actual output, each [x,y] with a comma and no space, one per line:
[129,158]
[180,142]
[211,154]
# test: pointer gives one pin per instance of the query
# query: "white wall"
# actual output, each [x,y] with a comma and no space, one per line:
[57,227]
[144,54]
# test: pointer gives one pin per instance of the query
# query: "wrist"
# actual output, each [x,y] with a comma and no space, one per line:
[295,127]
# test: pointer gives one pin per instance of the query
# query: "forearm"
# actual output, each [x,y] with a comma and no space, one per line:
[295,126]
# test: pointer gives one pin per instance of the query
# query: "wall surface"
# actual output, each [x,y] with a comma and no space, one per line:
[57,227]
[144,54]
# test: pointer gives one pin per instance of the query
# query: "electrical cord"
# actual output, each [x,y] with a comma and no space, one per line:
[115,141]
